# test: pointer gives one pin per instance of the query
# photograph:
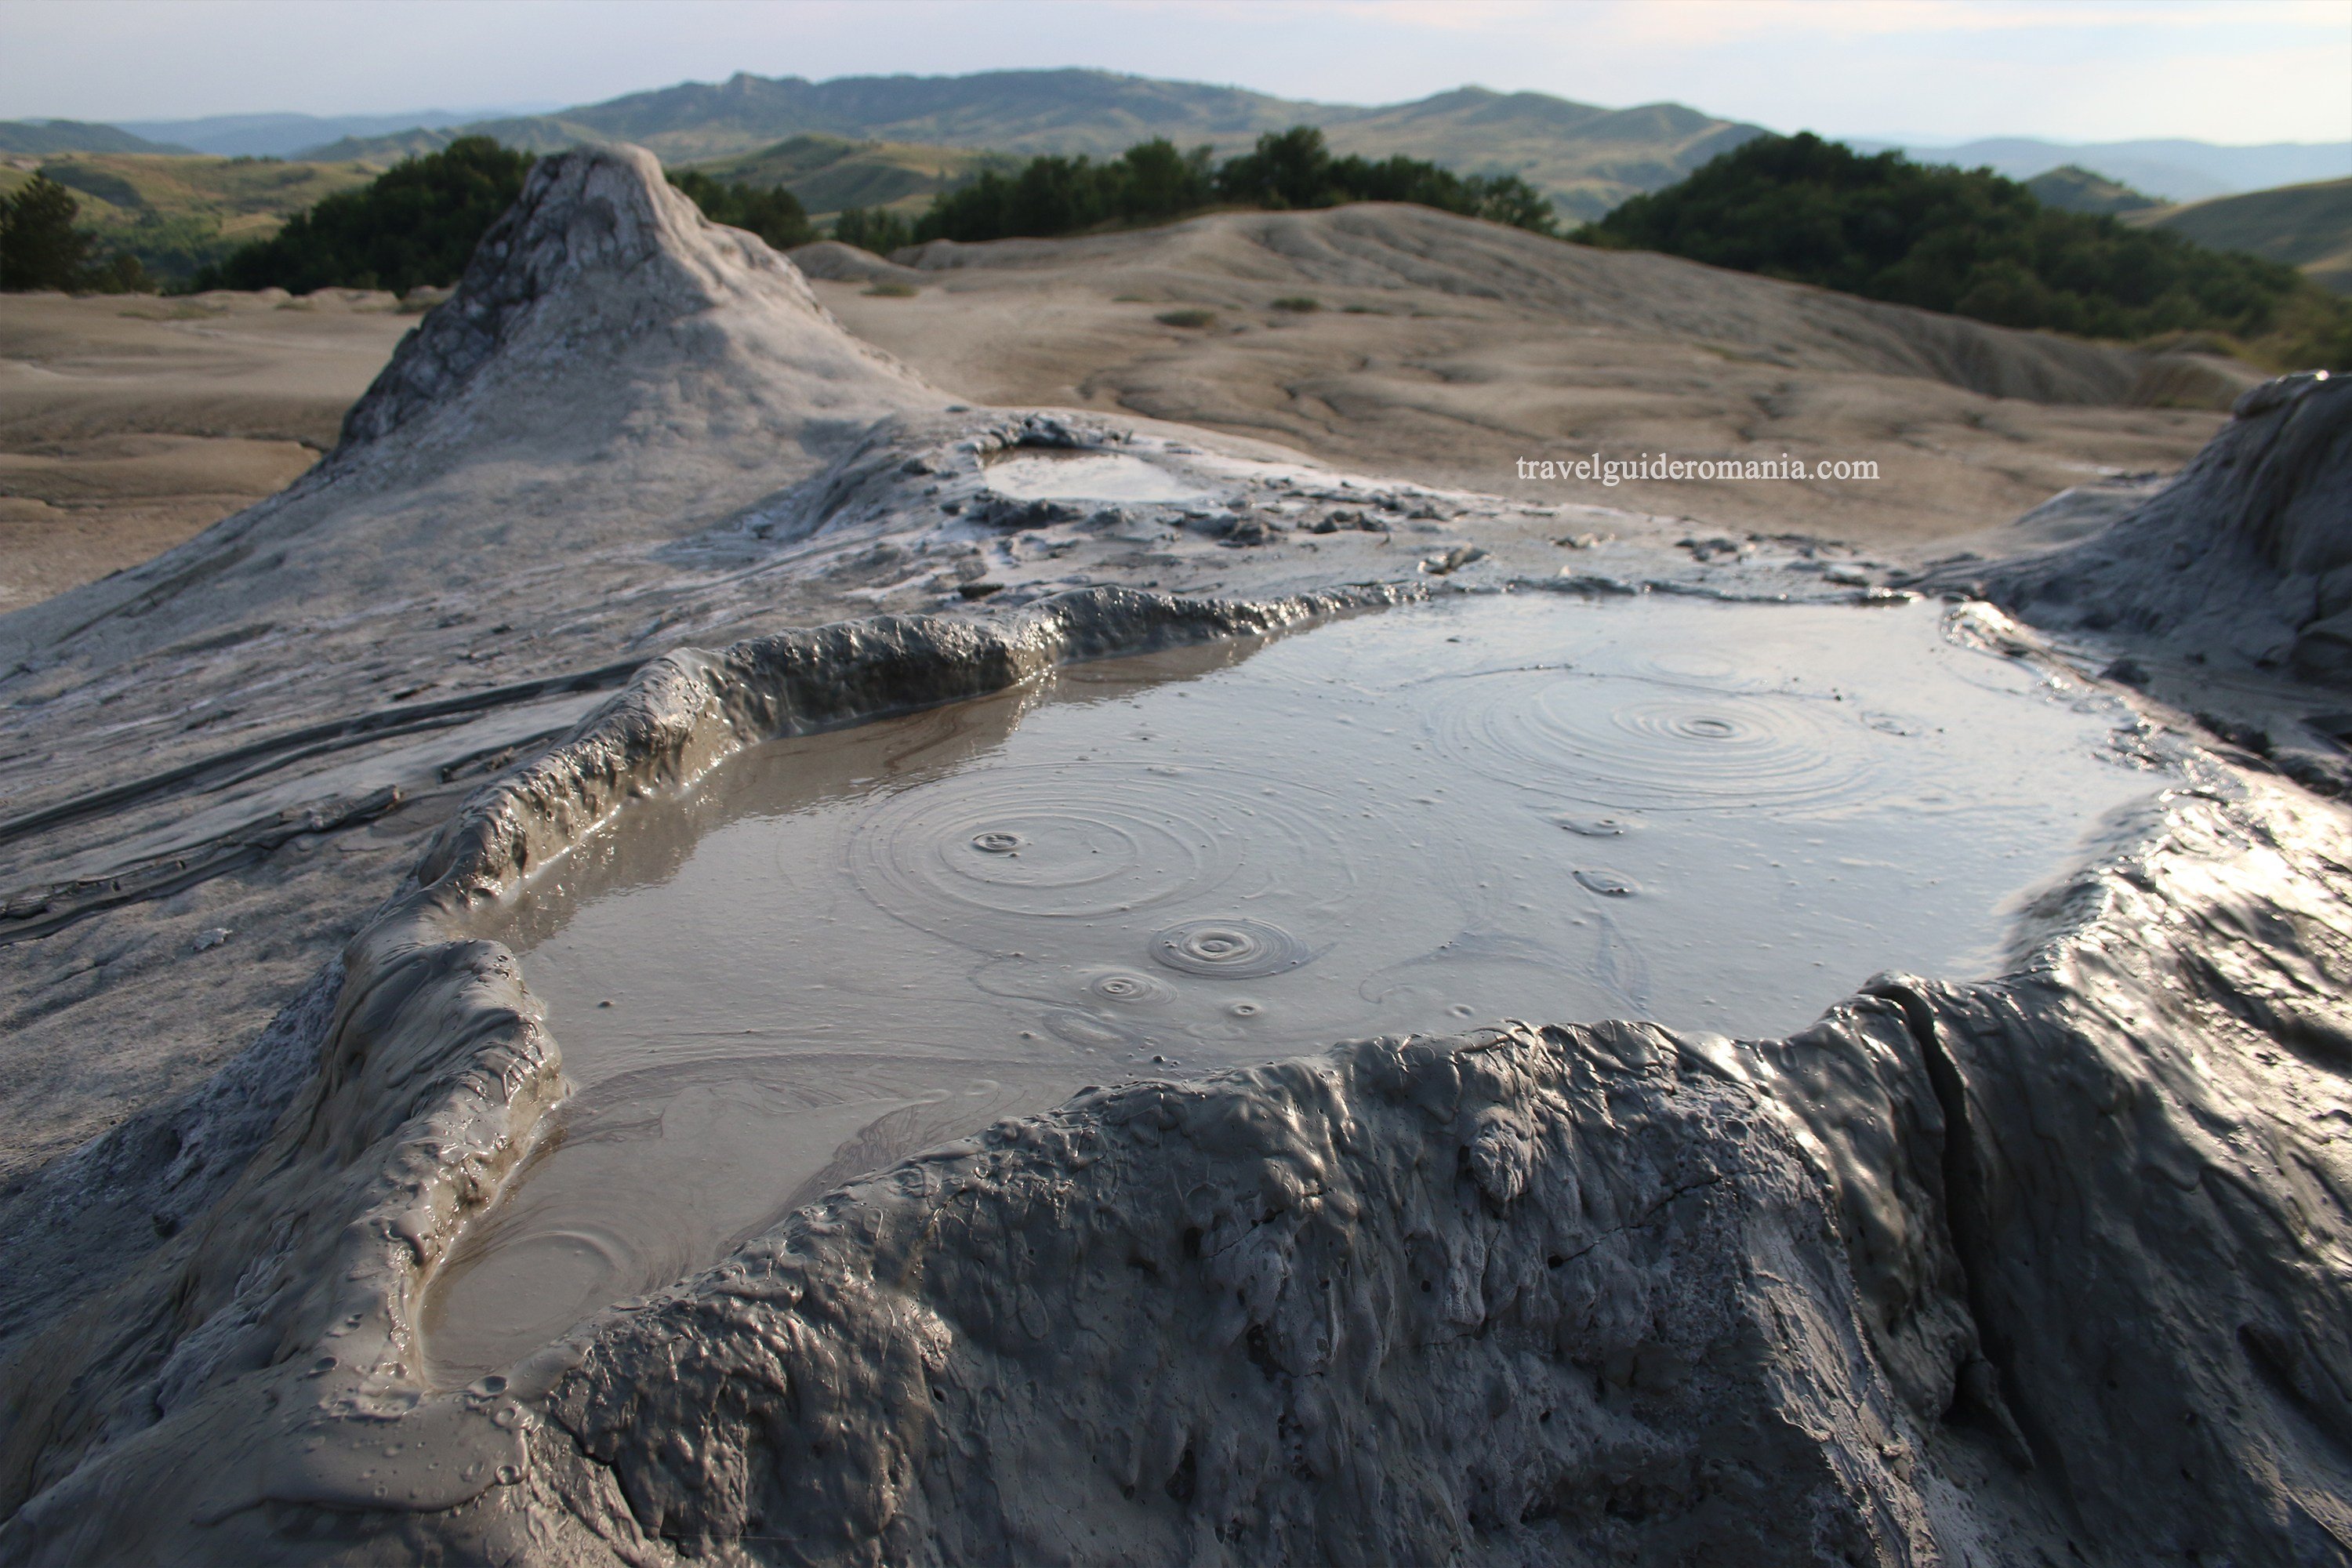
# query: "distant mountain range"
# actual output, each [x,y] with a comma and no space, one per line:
[830,173]
[2076,189]
[283,135]
[1585,158]
[2175,171]
[40,137]
[928,131]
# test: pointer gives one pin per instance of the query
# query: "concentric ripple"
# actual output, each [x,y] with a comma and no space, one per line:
[1128,989]
[842,948]
[1229,948]
[1630,744]
[1072,842]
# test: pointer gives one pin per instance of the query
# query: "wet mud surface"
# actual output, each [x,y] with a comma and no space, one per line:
[2039,1256]
[840,949]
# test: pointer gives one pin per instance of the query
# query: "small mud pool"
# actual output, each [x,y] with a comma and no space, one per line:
[1089,476]
[839,949]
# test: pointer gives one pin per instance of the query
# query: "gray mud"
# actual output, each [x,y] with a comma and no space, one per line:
[2046,1266]
[835,950]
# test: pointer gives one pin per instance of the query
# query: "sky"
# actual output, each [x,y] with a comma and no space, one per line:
[2235,71]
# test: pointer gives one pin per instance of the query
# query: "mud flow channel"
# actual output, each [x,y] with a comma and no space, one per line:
[838,949]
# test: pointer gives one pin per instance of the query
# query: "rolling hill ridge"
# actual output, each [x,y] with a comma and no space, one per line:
[1587,159]
[2306,226]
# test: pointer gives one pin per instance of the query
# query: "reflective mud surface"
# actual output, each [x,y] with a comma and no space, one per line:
[840,949]
[1088,476]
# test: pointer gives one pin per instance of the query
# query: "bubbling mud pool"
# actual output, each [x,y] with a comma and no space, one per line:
[838,949]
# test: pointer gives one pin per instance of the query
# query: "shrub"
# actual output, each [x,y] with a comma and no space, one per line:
[1187,318]
[416,224]
[1299,302]
[891,289]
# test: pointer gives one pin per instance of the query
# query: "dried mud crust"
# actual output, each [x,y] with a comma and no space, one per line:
[2054,1263]
[2051,1267]
[2244,558]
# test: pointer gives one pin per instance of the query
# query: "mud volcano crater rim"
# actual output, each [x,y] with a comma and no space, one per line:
[988,897]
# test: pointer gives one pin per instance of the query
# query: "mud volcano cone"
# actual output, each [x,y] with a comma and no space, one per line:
[613,372]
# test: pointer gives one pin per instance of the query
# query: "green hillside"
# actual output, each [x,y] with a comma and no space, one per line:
[2307,226]
[40,137]
[2074,189]
[1586,159]
[180,213]
[829,173]
[1020,111]
[1973,244]
[528,134]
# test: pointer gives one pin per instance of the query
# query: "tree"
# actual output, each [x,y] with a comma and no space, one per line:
[1289,169]
[1153,182]
[39,246]
[416,224]
[774,214]
[1965,241]
[876,229]
[1509,199]
[1157,182]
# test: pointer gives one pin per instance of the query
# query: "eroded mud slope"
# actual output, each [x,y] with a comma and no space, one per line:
[2054,1266]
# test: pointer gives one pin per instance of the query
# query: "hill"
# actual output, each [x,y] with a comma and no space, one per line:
[413,226]
[1586,159]
[2074,189]
[830,173]
[177,213]
[1443,348]
[1973,244]
[632,438]
[2307,226]
[280,135]
[524,133]
[1017,111]
[2175,169]
[39,138]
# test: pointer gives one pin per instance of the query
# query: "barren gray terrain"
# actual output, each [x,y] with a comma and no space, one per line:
[2049,1267]
[1442,352]
[1444,349]
[129,424]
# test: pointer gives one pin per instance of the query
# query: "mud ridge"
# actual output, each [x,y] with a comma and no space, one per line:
[2243,559]
[1596,1290]
[2051,1268]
